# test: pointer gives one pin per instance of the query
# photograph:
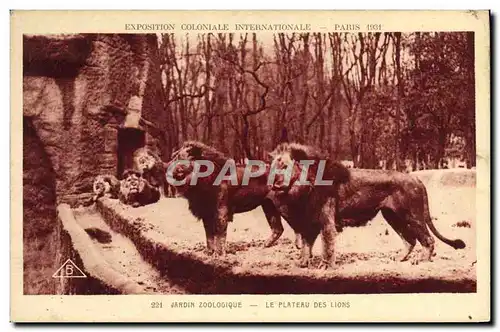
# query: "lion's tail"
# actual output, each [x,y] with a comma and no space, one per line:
[457,243]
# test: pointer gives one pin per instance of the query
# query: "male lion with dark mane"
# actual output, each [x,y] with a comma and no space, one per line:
[150,166]
[136,191]
[308,209]
[353,194]
[215,204]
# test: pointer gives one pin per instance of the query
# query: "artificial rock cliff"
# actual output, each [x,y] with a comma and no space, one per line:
[89,100]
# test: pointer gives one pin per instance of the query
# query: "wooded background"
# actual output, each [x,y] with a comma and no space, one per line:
[378,99]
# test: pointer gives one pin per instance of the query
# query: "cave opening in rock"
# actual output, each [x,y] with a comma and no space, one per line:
[129,140]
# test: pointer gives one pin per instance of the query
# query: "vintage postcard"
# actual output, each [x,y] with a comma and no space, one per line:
[250,166]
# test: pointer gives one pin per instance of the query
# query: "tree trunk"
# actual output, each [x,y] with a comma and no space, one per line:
[208,107]
[471,107]
[397,41]
[442,138]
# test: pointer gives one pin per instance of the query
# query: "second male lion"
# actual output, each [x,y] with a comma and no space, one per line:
[152,169]
[358,195]
[308,209]
[136,191]
[216,204]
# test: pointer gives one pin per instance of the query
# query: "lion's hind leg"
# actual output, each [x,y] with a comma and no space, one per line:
[423,236]
[309,235]
[298,240]
[402,229]
[274,219]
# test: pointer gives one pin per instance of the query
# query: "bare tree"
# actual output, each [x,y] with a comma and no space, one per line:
[369,96]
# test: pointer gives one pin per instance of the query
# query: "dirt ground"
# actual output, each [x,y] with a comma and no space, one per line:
[368,252]
[172,241]
[373,249]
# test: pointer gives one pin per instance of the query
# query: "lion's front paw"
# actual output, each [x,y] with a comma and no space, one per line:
[269,242]
[327,265]
[219,253]
[303,263]
[415,261]
[208,251]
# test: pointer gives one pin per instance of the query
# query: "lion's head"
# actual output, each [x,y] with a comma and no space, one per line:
[131,184]
[300,167]
[144,160]
[101,186]
[181,167]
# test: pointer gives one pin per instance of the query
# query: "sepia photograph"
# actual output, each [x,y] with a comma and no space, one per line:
[266,159]
[104,113]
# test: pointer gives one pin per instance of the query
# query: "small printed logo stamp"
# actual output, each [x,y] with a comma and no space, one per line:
[69,270]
